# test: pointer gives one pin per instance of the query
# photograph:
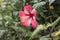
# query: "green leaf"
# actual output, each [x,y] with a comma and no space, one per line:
[43,15]
[0,17]
[2,32]
[20,29]
[38,29]
[44,27]
[55,22]
[1,1]
[35,1]
[39,4]
[8,18]
[44,38]
[47,37]
[51,1]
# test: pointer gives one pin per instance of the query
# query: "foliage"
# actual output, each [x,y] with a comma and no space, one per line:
[48,17]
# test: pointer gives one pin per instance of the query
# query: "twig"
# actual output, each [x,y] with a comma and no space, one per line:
[49,13]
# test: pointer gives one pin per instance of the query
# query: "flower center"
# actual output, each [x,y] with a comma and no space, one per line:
[31,15]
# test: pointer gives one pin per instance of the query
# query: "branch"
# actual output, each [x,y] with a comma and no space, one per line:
[42,27]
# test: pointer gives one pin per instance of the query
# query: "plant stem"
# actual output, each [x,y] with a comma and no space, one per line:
[49,14]
[55,23]
[48,9]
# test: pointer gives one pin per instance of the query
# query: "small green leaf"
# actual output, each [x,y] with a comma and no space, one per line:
[35,1]
[39,4]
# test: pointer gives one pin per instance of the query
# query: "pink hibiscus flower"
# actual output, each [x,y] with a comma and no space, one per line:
[28,16]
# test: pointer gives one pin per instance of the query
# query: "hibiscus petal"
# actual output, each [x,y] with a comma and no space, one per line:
[33,12]
[23,18]
[27,22]
[27,9]
[34,23]
[21,13]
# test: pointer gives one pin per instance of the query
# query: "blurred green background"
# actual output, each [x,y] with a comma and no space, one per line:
[48,17]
